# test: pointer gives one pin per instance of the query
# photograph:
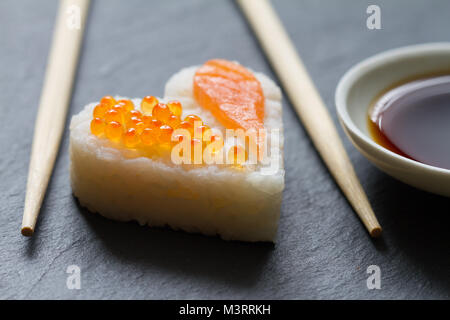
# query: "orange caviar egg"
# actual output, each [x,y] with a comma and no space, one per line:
[148,136]
[97,126]
[134,113]
[196,150]
[216,143]
[108,101]
[202,132]
[147,119]
[173,121]
[140,126]
[187,126]
[207,135]
[196,142]
[113,115]
[216,138]
[131,122]
[165,134]
[161,112]
[113,131]
[131,138]
[237,155]
[119,108]
[192,118]
[128,104]
[148,103]
[154,124]
[177,138]
[175,107]
[100,111]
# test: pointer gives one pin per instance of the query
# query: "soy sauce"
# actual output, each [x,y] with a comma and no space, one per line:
[413,120]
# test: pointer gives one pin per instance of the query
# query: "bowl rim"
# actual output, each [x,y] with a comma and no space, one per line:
[355,73]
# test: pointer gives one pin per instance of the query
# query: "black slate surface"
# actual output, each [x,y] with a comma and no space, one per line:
[131,48]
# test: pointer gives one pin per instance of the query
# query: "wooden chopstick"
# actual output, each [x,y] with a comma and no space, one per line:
[53,105]
[308,105]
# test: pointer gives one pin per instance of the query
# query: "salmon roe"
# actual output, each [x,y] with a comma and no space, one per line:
[196,150]
[108,101]
[187,126]
[113,115]
[128,104]
[120,108]
[97,126]
[173,121]
[237,155]
[151,127]
[165,134]
[148,137]
[134,113]
[175,107]
[140,126]
[216,143]
[131,138]
[155,124]
[202,132]
[192,118]
[161,112]
[114,131]
[100,111]
[133,121]
[148,103]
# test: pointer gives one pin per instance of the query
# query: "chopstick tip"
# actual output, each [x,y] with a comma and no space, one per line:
[27,231]
[375,232]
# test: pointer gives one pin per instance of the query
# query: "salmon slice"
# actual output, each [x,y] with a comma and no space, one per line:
[232,94]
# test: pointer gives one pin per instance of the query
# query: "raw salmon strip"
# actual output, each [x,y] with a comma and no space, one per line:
[232,94]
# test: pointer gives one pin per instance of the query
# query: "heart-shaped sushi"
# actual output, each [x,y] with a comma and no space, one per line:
[206,158]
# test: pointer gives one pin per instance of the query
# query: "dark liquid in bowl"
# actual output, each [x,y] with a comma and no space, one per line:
[413,120]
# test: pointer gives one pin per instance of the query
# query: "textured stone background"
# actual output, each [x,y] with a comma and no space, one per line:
[131,48]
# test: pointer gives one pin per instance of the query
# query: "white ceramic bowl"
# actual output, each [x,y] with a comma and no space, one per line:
[364,82]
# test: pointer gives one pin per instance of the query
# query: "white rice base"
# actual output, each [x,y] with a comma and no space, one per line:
[120,184]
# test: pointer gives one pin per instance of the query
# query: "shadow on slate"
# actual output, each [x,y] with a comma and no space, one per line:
[416,225]
[181,252]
